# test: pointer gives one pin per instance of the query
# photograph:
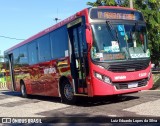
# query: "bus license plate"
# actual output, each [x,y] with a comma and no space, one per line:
[132,85]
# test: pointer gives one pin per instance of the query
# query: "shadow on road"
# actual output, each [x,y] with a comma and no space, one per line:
[11,93]
[97,101]
[37,97]
[82,101]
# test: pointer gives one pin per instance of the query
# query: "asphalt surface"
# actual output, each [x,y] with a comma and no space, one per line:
[143,104]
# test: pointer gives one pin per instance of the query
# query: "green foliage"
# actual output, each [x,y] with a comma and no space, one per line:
[151,12]
[101,2]
[1,66]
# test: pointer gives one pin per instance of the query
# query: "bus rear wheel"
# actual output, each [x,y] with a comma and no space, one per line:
[67,93]
[23,90]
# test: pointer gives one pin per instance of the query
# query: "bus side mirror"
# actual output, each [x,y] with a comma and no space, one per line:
[88,33]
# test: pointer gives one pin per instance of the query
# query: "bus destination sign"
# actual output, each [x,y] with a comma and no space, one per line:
[118,14]
[111,15]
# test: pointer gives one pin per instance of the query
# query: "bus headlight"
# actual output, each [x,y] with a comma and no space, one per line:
[99,76]
[103,78]
[106,79]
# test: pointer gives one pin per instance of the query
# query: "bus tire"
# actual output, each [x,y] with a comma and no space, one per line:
[23,90]
[67,92]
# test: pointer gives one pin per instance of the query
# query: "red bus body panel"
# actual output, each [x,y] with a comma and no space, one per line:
[39,82]
[102,88]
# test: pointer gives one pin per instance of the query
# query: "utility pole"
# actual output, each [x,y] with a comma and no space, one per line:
[131,3]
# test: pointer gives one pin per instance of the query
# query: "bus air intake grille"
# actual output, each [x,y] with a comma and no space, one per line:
[129,85]
[128,67]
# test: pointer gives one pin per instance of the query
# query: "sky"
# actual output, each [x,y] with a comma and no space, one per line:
[22,19]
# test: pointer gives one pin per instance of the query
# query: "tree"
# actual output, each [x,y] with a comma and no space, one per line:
[151,12]
[102,2]
[1,58]
[1,66]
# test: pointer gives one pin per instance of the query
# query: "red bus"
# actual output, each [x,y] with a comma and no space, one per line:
[98,51]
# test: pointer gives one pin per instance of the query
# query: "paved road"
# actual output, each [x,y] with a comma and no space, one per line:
[142,104]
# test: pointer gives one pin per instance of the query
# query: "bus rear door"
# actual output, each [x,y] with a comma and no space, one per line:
[11,69]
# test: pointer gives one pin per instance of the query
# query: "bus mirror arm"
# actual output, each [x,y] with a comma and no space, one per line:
[88,33]
[89,41]
[89,46]
[88,36]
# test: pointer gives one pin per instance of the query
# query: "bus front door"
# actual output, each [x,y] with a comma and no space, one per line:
[77,58]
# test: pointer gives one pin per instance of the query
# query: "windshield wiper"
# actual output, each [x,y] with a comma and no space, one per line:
[135,26]
[112,29]
[133,35]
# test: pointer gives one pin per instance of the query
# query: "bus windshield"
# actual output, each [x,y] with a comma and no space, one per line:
[119,42]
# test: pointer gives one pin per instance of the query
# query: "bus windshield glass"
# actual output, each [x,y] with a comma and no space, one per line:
[119,42]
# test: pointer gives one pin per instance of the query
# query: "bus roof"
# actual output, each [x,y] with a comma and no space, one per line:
[67,20]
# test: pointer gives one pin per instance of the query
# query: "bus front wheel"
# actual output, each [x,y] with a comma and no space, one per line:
[23,90]
[67,93]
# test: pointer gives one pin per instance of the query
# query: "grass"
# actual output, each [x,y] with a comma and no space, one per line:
[156,80]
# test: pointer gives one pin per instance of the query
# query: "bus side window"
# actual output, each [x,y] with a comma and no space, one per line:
[44,48]
[32,51]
